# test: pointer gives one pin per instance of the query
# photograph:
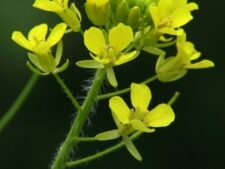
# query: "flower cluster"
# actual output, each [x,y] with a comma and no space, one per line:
[121,31]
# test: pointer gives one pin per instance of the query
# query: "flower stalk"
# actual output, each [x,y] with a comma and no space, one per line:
[67,146]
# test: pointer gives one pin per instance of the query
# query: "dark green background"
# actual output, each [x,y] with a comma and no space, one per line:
[196,140]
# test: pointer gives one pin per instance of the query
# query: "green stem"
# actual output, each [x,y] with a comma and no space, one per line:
[67,146]
[85,139]
[174,98]
[108,95]
[102,153]
[12,111]
[68,92]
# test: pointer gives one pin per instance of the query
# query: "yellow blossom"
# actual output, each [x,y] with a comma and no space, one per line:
[175,67]
[70,15]
[107,49]
[138,118]
[40,46]
[169,15]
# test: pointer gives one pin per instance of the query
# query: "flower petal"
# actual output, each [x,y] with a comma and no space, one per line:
[165,7]
[120,37]
[155,15]
[160,116]
[192,6]
[180,17]
[37,34]
[47,5]
[126,57]
[139,125]
[200,65]
[19,38]
[120,109]
[94,40]
[56,34]
[140,96]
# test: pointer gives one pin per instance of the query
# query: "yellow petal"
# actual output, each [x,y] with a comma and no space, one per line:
[120,37]
[48,5]
[140,96]
[56,34]
[160,116]
[126,57]
[155,15]
[200,65]
[19,38]
[180,17]
[94,40]
[120,109]
[192,6]
[139,125]
[171,31]
[165,7]
[37,34]
[179,4]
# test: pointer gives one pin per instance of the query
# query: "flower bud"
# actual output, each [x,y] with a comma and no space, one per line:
[122,11]
[134,17]
[98,12]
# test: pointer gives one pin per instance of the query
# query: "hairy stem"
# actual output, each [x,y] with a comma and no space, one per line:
[102,153]
[123,91]
[67,146]
[68,92]
[13,110]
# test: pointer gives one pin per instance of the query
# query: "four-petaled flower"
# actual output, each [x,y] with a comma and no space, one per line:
[107,49]
[40,46]
[169,15]
[70,15]
[175,67]
[138,118]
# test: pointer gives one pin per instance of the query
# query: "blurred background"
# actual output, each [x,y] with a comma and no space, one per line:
[196,140]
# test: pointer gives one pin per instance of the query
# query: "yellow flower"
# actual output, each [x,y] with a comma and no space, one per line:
[70,15]
[98,11]
[107,49]
[40,46]
[169,15]
[173,68]
[138,118]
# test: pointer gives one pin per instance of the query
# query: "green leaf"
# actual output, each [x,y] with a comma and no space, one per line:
[108,135]
[132,149]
